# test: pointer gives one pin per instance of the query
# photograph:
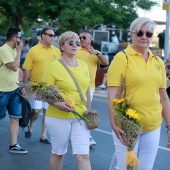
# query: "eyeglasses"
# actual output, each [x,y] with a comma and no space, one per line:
[19,37]
[50,35]
[84,37]
[148,34]
[71,42]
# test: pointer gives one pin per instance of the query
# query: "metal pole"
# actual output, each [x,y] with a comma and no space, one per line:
[166,45]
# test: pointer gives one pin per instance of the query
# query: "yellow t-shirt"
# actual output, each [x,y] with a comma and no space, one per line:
[38,58]
[143,80]
[92,62]
[8,77]
[56,74]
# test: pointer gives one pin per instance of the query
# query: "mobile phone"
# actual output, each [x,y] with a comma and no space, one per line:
[18,43]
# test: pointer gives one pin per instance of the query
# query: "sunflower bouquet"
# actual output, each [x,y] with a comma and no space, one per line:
[48,93]
[129,120]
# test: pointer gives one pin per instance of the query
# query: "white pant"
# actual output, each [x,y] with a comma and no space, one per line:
[61,130]
[91,94]
[36,104]
[146,150]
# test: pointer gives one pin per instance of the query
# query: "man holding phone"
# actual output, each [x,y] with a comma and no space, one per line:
[9,75]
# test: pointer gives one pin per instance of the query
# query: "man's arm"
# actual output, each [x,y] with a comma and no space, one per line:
[26,76]
[102,59]
[16,63]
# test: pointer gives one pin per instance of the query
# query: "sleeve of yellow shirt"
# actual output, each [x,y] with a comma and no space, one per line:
[117,67]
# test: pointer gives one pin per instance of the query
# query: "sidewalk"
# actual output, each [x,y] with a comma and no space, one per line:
[100,93]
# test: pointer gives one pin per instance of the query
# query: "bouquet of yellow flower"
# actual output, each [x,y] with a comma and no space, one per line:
[48,93]
[129,121]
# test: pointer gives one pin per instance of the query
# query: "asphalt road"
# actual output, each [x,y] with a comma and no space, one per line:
[39,154]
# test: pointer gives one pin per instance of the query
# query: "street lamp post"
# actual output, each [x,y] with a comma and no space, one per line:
[166,6]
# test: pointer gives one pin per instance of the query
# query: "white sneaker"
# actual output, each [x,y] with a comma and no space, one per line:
[91,141]
[102,86]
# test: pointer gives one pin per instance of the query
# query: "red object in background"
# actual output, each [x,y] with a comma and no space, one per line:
[99,76]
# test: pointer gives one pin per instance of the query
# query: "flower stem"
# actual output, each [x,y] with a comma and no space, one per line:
[81,117]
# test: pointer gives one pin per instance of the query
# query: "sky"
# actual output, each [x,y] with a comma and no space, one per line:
[156,13]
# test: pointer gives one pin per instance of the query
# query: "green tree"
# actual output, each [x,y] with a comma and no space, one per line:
[26,12]
[78,14]
[71,14]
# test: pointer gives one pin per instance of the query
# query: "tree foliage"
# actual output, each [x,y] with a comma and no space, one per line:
[71,14]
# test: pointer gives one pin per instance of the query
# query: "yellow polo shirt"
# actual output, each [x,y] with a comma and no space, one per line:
[143,80]
[8,77]
[56,74]
[92,62]
[38,58]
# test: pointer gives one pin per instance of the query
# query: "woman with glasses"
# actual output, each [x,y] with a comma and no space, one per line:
[61,122]
[145,79]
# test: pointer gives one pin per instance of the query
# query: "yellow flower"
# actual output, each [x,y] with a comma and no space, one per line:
[46,85]
[67,99]
[133,114]
[118,101]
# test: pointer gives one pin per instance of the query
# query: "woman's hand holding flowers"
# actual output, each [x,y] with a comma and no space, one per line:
[50,93]
[64,106]
[120,134]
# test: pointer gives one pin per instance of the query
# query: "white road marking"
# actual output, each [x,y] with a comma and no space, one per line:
[110,133]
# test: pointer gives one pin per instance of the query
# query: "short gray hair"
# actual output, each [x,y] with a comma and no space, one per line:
[66,36]
[139,22]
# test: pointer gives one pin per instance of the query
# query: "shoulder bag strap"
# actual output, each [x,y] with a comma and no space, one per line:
[75,81]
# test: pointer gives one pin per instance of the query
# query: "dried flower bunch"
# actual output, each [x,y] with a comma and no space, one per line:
[41,91]
[45,92]
[129,120]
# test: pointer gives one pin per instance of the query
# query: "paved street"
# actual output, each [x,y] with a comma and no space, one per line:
[39,154]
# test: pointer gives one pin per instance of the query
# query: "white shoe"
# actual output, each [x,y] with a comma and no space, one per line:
[91,141]
[102,86]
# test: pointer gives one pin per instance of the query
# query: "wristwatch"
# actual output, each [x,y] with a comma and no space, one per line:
[98,52]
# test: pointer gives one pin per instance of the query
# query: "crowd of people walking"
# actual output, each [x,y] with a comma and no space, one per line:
[141,69]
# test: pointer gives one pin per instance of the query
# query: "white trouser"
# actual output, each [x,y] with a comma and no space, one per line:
[61,130]
[146,149]
[91,94]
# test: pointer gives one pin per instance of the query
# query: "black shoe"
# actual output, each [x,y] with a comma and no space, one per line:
[46,141]
[28,134]
[17,149]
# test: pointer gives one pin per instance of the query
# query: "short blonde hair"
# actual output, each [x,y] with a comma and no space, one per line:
[66,36]
[139,22]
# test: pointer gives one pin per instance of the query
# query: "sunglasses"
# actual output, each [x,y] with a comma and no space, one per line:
[148,34]
[19,37]
[71,42]
[50,35]
[83,37]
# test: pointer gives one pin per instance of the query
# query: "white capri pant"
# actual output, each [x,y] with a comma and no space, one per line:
[36,104]
[63,130]
[91,94]
[146,150]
